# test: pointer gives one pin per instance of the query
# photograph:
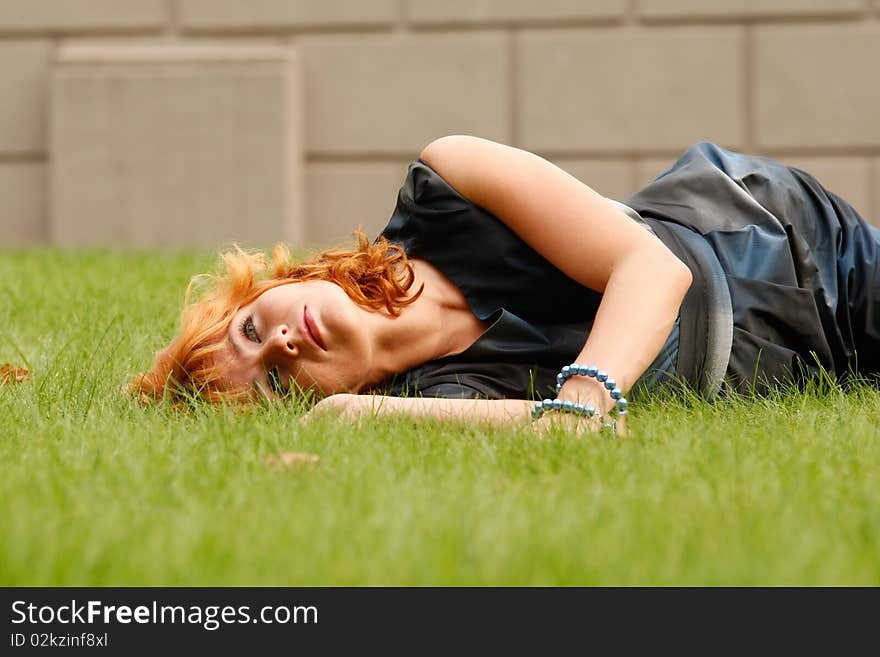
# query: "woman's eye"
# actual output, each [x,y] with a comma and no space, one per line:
[249,330]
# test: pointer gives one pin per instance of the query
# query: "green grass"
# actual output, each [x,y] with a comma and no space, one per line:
[96,490]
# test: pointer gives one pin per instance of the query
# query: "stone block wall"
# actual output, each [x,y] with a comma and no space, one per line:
[176,146]
[611,90]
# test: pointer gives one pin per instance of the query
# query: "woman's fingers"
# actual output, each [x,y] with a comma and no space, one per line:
[567,423]
[577,425]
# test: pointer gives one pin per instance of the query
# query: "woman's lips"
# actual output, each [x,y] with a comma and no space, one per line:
[312,329]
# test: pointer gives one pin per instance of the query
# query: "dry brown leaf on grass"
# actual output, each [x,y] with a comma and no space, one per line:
[292,460]
[9,373]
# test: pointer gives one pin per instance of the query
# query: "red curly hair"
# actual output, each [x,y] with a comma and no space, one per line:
[375,275]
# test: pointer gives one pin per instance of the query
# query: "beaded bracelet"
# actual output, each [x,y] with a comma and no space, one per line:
[564,405]
[567,406]
[592,371]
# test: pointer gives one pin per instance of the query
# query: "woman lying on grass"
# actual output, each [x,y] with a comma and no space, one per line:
[503,288]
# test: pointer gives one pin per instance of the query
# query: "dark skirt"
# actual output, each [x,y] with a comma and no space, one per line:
[802,267]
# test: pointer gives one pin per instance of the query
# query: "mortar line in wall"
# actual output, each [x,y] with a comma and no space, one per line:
[457,27]
[631,13]
[282,32]
[771,19]
[402,23]
[340,157]
[80,33]
[33,157]
[172,25]
[853,150]
[372,157]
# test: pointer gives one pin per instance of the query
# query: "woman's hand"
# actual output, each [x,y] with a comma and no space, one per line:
[589,392]
[576,425]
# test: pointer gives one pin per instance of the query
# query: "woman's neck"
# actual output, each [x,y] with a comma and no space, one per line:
[439,323]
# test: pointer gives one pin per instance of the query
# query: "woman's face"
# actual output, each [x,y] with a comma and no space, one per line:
[310,334]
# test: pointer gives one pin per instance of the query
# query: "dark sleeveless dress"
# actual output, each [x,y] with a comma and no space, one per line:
[782,269]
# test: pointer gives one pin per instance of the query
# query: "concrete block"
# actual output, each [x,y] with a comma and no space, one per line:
[382,95]
[698,9]
[848,177]
[24,75]
[465,12]
[176,146]
[343,196]
[648,168]
[630,89]
[23,199]
[82,15]
[234,15]
[816,86]
[845,176]
[611,178]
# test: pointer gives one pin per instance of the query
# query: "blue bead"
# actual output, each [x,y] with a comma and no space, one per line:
[616,393]
[622,404]
[566,370]
[601,376]
[557,404]
[558,387]
[548,404]
[567,405]
[592,370]
[560,378]
[539,406]
[610,384]
[591,411]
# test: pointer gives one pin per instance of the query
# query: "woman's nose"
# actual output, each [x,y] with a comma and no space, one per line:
[281,343]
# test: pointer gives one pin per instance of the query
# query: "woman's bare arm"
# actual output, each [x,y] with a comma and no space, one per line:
[492,412]
[580,232]
[489,411]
